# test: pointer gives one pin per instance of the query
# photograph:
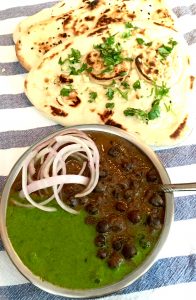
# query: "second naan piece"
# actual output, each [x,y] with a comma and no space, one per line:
[39,33]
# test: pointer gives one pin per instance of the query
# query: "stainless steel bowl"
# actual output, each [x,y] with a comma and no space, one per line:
[151,258]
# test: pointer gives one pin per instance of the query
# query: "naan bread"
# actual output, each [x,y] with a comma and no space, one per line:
[39,33]
[148,89]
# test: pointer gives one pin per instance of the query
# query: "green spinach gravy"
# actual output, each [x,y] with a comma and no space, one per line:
[118,225]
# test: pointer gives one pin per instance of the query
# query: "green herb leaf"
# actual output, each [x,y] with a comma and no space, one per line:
[84,67]
[75,56]
[151,92]
[110,94]
[136,112]
[160,92]
[137,85]
[66,91]
[148,44]
[129,25]
[89,70]
[61,62]
[172,43]
[113,82]
[165,50]
[167,106]
[140,41]
[124,94]
[155,110]
[125,85]
[108,69]
[122,73]
[111,53]
[126,34]
[109,105]
[92,97]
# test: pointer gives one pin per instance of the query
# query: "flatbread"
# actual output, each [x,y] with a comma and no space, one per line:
[148,92]
[39,33]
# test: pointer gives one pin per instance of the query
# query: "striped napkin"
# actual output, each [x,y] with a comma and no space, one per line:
[173,276]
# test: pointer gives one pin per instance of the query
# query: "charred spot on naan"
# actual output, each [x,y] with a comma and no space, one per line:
[75,102]
[176,134]
[67,46]
[192,79]
[98,74]
[106,20]
[98,31]
[105,115]
[115,14]
[94,4]
[79,28]
[66,21]
[89,18]
[25,83]
[111,122]
[65,79]
[55,111]
[72,99]
[147,68]
[132,16]
[139,68]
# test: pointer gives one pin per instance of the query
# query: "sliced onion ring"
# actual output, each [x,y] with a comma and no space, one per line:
[72,143]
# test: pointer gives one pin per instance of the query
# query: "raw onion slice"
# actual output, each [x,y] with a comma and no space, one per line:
[48,163]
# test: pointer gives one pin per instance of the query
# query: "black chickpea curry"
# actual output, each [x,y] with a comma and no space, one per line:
[82,212]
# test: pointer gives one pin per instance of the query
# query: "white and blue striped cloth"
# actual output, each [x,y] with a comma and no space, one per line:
[173,276]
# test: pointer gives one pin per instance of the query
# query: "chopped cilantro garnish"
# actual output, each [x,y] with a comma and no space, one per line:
[111,53]
[61,62]
[151,92]
[129,25]
[135,112]
[165,50]
[84,67]
[75,56]
[110,93]
[148,44]
[92,97]
[66,91]
[167,106]
[124,94]
[172,42]
[109,105]
[113,82]
[125,85]
[122,73]
[155,110]
[126,34]
[140,41]
[159,93]
[137,85]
